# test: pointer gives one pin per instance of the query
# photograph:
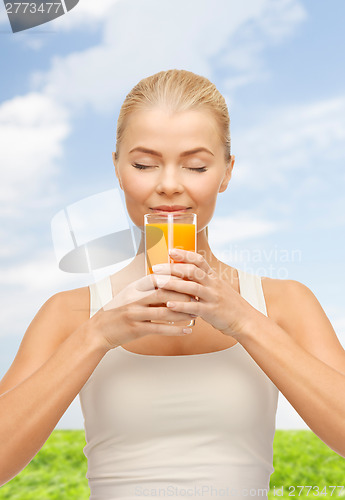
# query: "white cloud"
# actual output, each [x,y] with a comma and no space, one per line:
[239,227]
[35,273]
[87,14]
[14,243]
[281,18]
[32,129]
[141,38]
[243,51]
[34,43]
[299,139]
[27,284]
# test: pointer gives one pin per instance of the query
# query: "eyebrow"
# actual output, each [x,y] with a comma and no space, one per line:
[182,155]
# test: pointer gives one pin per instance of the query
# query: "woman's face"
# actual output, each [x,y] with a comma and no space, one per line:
[176,172]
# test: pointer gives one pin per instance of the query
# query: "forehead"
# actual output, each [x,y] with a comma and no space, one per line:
[160,128]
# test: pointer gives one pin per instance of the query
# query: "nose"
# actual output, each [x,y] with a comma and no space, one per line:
[169,181]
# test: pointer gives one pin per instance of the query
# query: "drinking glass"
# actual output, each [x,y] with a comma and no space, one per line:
[166,231]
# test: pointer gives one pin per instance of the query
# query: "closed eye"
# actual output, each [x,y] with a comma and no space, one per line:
[143,167]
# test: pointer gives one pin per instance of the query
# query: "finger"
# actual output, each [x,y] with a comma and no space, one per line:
[149,328]
[162,295]
[181,271]
[193,258]
[150,295]
[187,287]
[156,296]
[149,282]
[166,314]
[158,314]
[185,271]
[192,307]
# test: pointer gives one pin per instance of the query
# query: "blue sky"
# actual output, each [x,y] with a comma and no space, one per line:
[279,63]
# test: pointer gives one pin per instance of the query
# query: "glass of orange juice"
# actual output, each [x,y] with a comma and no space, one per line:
[166,231]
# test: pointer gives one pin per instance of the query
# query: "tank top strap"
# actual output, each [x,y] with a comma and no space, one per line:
[100,294]
[251,290]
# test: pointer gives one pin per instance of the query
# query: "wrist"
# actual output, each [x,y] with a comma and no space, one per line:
[251,327]
[255,328]
[92,340]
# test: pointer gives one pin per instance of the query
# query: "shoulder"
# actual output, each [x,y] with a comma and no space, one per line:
[285,298]
[55,321]
[75,303]
[299,313]
[66,310]
[277,288]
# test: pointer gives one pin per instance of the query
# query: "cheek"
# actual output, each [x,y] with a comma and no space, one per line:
[135,188]
[205,190]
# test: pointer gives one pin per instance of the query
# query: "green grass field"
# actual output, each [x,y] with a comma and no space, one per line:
[301,460]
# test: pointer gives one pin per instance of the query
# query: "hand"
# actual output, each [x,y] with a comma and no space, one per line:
[128,315]
[219,304]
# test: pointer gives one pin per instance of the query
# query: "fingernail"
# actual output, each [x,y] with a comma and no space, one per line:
[187,330]
[157,267]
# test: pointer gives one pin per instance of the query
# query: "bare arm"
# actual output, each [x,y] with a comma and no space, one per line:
[299,352]
[304,359]
[59,351]
[30,411]
[30,408]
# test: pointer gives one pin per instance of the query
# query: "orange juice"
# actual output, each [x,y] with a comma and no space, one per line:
[164,232]
[157,241]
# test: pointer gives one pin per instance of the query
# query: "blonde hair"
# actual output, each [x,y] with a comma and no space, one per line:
[176,90]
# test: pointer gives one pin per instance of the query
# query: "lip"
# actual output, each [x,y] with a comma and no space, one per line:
[170,208]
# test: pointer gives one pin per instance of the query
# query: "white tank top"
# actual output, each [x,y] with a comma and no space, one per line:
[195,426]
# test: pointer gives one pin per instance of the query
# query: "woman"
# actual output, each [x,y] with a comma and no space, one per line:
[169,413]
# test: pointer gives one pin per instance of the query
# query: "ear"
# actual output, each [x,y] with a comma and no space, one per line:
[227,175]
[116,169]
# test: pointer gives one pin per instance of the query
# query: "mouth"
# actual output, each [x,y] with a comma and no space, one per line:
[170,209]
